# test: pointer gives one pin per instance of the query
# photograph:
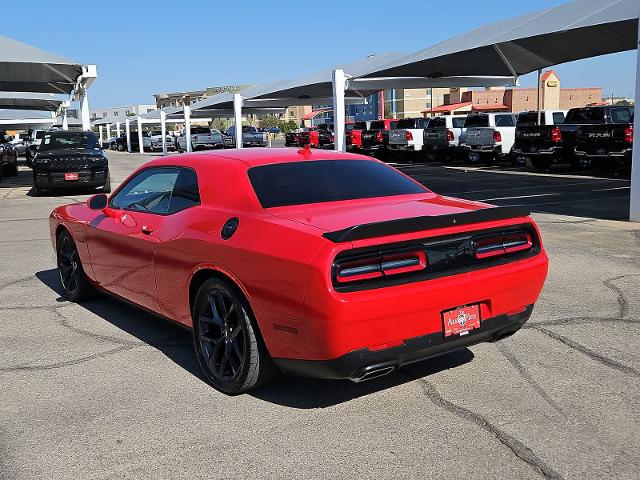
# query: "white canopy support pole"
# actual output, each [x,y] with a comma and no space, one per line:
[108,132]
[127,129]
[187,126]
[338,109]
[118,128]
[237,116]
[101,139]
[163,130]
[84,111]
[634,201]
[65,119]
[140,144]
[539,96]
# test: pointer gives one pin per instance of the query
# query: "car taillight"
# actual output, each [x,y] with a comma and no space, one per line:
[449,136]
[556,135]
[380,265]
[408,136]
[628,134]
[497,136]
[331,138]
[379,136]
[502,244]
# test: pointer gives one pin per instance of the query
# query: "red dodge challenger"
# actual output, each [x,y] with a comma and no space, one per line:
[322,264]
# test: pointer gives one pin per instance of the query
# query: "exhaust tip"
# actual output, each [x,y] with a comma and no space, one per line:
[374,373]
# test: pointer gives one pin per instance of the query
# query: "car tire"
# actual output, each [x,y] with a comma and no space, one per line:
[228,345]
[74,282]
[107,184]
[120,147]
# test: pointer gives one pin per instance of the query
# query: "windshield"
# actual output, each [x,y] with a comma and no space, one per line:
[69,140]
[299,183]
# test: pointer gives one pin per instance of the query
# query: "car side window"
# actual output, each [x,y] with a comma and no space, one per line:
[160,190]
[558,118]
[185,191]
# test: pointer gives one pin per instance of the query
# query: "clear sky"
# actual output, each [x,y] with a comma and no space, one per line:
[146,47]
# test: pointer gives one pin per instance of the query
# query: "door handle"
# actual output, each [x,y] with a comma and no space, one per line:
[147,230]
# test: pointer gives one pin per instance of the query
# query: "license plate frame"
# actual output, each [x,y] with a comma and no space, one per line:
[459,321]
[71,177]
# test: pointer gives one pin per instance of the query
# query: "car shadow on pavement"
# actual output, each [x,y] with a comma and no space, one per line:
[175,342]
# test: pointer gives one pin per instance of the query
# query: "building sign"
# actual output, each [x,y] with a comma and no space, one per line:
[552,83]
[226,89]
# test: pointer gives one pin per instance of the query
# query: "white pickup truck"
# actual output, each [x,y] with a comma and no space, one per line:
[251,137]
[153,141]
[489,137]
[201,138]
[442,136]
[408,135]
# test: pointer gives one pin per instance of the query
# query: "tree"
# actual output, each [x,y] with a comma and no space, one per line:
[270,121]
[287,126]
[220,124]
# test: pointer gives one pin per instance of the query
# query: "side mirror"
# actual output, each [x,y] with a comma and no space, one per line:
[97,202]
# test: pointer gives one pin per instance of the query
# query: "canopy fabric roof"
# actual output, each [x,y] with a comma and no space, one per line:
[24,68]
[568,32]
[29,101]
[490,107]
[447,108]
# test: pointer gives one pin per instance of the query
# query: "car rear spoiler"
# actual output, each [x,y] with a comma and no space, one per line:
[416,224]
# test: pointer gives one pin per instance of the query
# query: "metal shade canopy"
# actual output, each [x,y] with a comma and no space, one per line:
[572,31]
[24,68]
[29,101]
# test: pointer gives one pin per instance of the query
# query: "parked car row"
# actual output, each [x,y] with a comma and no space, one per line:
[600,136]
[8,156]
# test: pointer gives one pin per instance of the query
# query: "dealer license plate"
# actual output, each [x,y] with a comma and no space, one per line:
[461,320]
[70,177]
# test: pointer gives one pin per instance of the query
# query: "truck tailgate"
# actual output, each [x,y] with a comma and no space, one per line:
[479,136]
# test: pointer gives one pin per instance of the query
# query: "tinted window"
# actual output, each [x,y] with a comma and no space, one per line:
[457,122]
[558,118]
[504,121]
[159,190]
[68,140]
[585,115]
[360,126]
[377,125]
[528,118]
[348,127]
[621,115]
[200,131]
[438,122]
[476,121]
[300,183]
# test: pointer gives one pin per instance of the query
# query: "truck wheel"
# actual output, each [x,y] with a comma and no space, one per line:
[120,147]
[37,191]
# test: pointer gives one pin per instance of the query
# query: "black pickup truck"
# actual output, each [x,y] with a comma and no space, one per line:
[545,145]
[375,141]
[325,135]
[607,145]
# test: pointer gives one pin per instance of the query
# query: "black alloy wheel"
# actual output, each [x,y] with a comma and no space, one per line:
[229,348]
[75,285]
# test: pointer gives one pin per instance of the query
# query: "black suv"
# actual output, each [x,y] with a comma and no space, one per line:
[70,159]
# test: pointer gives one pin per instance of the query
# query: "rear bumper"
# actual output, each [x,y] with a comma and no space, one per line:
[403,147]
[623,154]
[364,363]
[544,152]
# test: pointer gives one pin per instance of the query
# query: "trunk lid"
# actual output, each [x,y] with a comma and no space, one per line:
[479,136]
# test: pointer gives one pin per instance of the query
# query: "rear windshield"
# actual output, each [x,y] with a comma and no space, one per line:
[585,115]
[360,126]
[412,123]
[438,122]
[457,122]
[40,134]
[476,121]
[299,183]
[67,140]
[200,131]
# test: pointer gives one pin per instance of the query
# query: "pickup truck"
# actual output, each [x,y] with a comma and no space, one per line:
[201,138]
[325,135]
[353,135]
[309,137]
[523,151]
[545,145]
[408,135]
[442,136]
[292,138]
[251,137]
[376,140]
[489,136]
[607,145]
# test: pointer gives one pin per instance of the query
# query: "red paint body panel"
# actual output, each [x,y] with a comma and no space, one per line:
[280,260]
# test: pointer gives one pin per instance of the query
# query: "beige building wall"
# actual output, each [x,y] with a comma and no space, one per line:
[579,97]
[550,91]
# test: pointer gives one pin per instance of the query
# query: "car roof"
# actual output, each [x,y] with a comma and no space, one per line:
[253,157]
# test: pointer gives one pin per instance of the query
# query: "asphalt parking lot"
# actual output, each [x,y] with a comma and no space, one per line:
[103,390]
